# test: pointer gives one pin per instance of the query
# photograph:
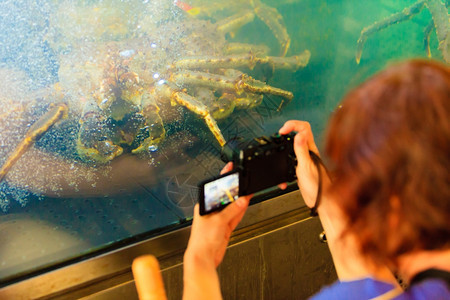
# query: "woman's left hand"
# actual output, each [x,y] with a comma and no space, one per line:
[208,242]
[211,233]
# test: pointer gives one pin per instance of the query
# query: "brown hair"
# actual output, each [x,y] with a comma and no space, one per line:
[391,140]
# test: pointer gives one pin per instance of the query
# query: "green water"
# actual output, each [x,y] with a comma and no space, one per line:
[83,210]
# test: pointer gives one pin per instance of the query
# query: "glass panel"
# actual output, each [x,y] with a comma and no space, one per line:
[113,111]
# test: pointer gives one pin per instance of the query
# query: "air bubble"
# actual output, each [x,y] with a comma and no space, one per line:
[152,148]
[127,53]
[8,193]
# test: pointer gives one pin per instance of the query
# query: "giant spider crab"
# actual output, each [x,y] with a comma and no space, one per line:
[123,86]
[440,22]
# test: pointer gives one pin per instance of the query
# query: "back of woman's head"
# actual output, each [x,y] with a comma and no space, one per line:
[389,145]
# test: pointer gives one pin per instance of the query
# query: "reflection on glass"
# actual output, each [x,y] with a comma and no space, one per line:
[112,111]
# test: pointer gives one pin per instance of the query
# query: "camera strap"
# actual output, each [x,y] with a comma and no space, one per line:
[431,274]
[422,276]
[318,163]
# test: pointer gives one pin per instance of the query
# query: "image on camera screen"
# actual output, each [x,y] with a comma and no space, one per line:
[221,191]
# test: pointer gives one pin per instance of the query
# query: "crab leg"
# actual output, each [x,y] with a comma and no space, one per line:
[292,63]
[439,13]
[55,113]
[210,9]
[244,60]
[426,38]
[238,84]
[269,15]
[247,100]
[233,23]
[404,15]
[224,105]
[239,48]
[272,18]
[196,107]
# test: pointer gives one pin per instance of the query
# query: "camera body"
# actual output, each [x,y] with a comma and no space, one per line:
[262,162]
[259,164]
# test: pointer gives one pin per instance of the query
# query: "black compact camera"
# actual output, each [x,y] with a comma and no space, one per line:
[259,163]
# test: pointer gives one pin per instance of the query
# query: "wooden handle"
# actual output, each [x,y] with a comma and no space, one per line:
[148,279]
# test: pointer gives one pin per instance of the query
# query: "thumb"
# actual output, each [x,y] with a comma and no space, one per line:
[234,212]
[307,173]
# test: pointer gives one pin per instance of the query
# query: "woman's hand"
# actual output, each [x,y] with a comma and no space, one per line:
[307,173]
[208,242]
[211,233]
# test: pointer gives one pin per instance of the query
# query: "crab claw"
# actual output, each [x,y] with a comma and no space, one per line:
[156,134]
[93,143]
[148,145]
[154,129]
[103,152]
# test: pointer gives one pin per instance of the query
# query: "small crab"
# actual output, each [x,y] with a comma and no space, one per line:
[440,22]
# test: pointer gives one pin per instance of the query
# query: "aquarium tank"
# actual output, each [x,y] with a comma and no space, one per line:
[113,111]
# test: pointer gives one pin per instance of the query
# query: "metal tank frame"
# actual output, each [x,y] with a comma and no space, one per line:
[283,220]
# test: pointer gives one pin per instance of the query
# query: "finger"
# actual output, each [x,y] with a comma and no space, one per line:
[293,125]
[303,128]
[148,279]
[283,185]
[235,208]
[243,202]
[301,149]
[236,220]
[227,168]
[196,211]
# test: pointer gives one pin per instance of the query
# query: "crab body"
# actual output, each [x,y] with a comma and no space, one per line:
[125,90]
[116,88]
[124,83]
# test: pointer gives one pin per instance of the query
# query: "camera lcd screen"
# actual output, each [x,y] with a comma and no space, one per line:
[218,193]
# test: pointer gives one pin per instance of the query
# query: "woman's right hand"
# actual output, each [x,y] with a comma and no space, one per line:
[307,173]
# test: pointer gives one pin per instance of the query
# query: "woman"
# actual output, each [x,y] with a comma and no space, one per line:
[388,205]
